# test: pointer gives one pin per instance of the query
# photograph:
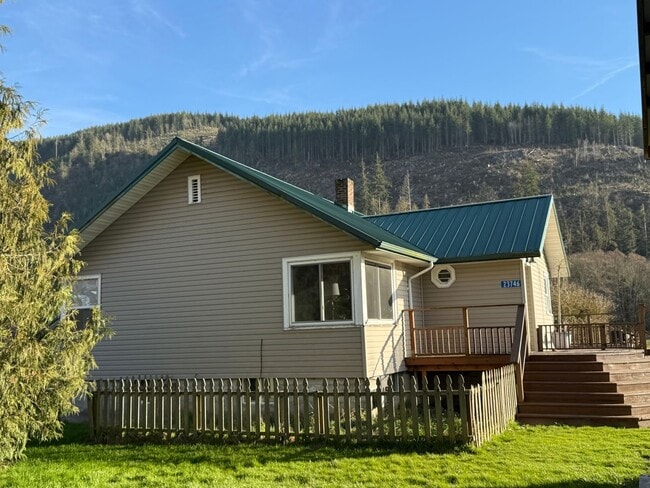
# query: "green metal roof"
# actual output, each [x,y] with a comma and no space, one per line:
[475,232]
[320,207]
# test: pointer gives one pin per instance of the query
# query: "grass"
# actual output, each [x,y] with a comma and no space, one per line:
[541,457]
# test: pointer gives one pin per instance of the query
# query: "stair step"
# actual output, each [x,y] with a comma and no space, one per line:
[629,376]
[606,357]
[564,366]
[572,376]
[573,386]
[592,420]
[631,387]
[638,398]
[575,397]
[642,365]
[576,409]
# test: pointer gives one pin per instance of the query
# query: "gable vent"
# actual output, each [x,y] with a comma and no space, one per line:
[194,189]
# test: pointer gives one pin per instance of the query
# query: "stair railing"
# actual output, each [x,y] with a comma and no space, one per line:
[520,350]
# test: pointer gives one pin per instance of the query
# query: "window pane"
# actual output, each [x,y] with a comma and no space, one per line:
[337,291]
[385,292]
[372,291]
[305,293]
[85,293]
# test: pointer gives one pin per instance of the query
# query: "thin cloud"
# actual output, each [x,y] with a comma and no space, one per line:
[606,78]
[144,8]
[600,70]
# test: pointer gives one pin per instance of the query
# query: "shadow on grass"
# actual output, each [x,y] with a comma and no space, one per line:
[203,449]
[627,483]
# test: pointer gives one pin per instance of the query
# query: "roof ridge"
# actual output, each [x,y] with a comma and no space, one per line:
[461,205]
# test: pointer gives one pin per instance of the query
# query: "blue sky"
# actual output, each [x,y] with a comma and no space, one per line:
[91,62]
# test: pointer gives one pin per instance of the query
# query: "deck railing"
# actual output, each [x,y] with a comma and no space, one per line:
[466,339]
[283,410]
[593,331]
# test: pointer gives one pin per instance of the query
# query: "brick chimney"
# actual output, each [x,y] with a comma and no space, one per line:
[345,193]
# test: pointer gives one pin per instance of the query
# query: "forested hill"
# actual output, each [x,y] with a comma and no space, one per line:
[402,156]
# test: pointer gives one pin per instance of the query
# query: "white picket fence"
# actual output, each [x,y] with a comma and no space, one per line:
[281,410]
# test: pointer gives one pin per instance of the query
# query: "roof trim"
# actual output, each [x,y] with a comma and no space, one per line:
[318,206]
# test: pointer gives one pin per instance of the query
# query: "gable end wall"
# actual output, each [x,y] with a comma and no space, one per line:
[197,289]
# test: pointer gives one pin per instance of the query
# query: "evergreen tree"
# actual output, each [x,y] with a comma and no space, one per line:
[528,183]
[364,197]
[42,367]
[625,235]
[404,201]
[380,189]
[425,201]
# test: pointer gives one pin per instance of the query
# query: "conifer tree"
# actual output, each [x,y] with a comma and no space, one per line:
[404,201]
[44,353]
[364,197]
[426,203]
[380,189]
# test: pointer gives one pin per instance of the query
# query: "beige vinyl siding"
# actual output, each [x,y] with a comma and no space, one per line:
[197,289]
[476,284]
[384,344]
[539,271]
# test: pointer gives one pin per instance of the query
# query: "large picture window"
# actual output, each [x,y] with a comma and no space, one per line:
[321,292]
[379,291]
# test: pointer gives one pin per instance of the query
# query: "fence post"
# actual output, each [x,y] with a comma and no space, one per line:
[412,331]
[641,311]
[466,325]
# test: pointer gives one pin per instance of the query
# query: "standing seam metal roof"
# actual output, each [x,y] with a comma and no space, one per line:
[502,229]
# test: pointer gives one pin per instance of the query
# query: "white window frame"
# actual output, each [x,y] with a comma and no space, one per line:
[391,265]
[190,193]
[443,284]
[355,289]
[547,293]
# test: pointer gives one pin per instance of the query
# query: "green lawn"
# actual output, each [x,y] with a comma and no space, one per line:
[541,457]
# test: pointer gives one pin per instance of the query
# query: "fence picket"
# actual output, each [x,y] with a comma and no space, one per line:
[390,402]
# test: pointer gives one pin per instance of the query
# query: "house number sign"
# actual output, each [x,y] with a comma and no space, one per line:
[511,284]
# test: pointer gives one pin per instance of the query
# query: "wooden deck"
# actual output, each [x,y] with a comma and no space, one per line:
[462,362]
[466,347]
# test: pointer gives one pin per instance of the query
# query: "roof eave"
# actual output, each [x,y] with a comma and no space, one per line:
[489,257]
[386,246]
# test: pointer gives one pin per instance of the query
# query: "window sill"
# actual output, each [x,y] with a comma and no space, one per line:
[379,323]
[320,325]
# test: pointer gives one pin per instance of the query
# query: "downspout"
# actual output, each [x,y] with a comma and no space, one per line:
[417,275]
[410,285]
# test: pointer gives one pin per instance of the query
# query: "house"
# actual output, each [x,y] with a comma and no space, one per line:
[208,267]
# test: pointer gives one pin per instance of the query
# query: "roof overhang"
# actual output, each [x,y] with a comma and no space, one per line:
[553,246]
[179,150]
[166,161]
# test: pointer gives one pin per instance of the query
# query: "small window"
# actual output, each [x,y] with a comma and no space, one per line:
[379,291]
[86,292]
[547,293]
[443,276]
[194,189]
[86,295]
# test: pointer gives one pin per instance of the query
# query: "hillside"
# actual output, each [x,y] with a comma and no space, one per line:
[443,152]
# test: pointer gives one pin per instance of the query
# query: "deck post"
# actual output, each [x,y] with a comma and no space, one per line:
[412,330]
[603,337]
[466,325]
[641,311]
[590,330]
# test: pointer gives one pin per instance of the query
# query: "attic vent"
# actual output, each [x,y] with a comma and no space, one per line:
[443,276]
[194,189]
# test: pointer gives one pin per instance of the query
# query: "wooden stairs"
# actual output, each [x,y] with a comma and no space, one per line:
[588,387]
